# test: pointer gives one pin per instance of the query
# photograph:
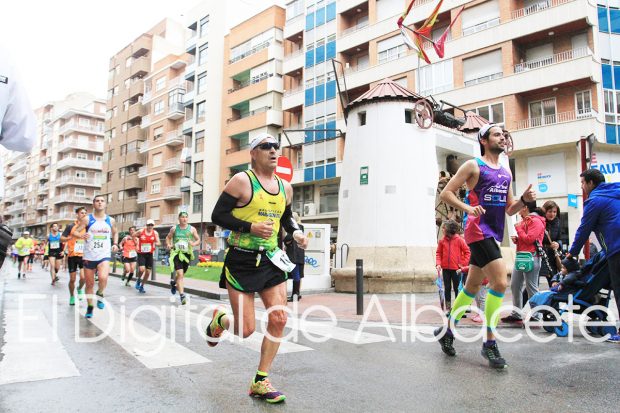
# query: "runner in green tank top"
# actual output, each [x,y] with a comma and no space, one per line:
[253,206]
[180,241]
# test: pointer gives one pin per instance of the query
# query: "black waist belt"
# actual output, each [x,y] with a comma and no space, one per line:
[262,252]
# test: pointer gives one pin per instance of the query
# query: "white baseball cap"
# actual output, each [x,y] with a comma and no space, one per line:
[26,232]
[150,222]
[258,139]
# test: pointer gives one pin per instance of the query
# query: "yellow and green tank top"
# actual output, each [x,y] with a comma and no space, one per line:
[263,206]
[182,239]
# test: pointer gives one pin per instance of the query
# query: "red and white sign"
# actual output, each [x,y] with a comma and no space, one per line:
[284,168]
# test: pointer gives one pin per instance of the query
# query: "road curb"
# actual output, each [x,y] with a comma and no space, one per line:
[189,290]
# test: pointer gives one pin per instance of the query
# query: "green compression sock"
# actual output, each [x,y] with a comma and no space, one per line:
[462,302]
[494,302]
[260,376]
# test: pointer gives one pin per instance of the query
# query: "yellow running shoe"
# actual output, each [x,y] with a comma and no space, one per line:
[214,330]
[264,390]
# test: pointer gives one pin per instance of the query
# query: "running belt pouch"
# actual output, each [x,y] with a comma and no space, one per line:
[280,260]
[6,238]
[524,261]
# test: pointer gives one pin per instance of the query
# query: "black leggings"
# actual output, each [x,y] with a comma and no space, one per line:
[614,273]
[450,277]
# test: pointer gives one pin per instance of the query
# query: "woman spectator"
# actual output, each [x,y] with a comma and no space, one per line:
[527,266]
[552,217]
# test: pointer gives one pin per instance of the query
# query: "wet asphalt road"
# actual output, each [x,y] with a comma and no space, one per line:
[335,376]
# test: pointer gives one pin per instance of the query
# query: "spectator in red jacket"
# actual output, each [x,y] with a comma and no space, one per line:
[452,255]
[529,230]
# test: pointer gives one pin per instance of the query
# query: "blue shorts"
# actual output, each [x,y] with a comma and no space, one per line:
[92,265]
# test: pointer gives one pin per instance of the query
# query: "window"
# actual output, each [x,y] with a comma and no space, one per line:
[128,61]
[155,186]
[202,82]
[203,53]
[123,150]
[603,24]
[199,142]
[408,116]
[154,213]
[110,198]
[493,113]
[80,192]
[583,103]
[542,112]
[198,171]
[160,83]
[112,133]
[436,78]
[121,195]
[158,133]
[82,155]
[483,16]
[110,176]
[482,68]
[81,174]
[361,116]
[200,111]
[204,25]
[294,9]
[156,161]
[121,172]
[388,8]
[158,107]
[391,49]
[197,204]
[329,198]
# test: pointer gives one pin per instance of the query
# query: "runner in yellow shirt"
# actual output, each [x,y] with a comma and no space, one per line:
[23,245]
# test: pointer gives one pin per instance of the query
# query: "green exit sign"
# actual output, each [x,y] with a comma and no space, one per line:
[364,175]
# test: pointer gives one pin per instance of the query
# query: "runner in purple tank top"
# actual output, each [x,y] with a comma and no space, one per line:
[490,198]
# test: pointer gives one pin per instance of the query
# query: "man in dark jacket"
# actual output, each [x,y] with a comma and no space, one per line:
[601,215]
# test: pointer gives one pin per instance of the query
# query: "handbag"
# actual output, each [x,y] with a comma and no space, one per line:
[524,261]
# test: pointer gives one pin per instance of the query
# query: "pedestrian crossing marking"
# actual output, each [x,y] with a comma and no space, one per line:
[31,351]
[153,349]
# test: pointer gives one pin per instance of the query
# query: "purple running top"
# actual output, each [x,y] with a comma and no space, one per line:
[491,192]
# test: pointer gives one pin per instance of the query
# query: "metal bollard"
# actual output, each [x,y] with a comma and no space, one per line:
[359,285]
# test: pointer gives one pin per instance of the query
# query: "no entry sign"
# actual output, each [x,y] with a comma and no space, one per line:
[284,168]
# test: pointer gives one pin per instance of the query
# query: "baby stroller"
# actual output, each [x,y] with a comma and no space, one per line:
[589,286]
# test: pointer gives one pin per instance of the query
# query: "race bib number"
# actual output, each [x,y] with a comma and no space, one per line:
[280,260]
[145,248]
[182,245]
[54,245]
[79,246]
[99,242]
[24,251]
[133,254]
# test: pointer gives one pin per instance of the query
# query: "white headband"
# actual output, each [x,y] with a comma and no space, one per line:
[260,138]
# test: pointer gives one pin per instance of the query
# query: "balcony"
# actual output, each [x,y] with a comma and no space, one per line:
[70,127]
[44,161]
[143,172]
[252,89]
[553,59]
[136,88]
[559,128]
[480,26]
[174,138]
[188,97]
[135,134]
[42,219]
[190,43]
[254,119]
[18,180]
[142,64]
[141,197]
[9,173]
[71,144]
[188,125]
[294,61]
[186,185]
[140,222]
[294,25]
[145,146]
[176,111]
[173,166]
[293,98]
[45,145]
[168,219]
[535,8]
[16,207]
[264,52]
[190,70]
[250,52]
[62,216]
[146,121]
[74,180]
[73,199]
[42,206]
[564,68]
[44,176]
[132,181]
[72,162]
[136,110]
[172,192]
[16,222]
[43,189]
[20,166]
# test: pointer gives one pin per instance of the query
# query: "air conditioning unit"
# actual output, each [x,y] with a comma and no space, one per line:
[309,209]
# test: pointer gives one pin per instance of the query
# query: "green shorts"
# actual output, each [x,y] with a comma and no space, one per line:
[242,273]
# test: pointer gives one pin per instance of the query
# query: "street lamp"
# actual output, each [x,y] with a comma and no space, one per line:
[202,209]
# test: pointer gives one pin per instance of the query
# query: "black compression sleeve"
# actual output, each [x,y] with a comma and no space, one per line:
[287,221]
[222,214]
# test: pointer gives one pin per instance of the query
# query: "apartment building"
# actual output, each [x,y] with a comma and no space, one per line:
[310,102]
[253,79]
[124,134]
[543,68]
[164,90]
[62,172]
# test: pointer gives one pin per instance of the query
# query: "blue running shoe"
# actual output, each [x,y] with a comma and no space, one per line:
[141,290]
[137,286]
[173,287]
[614,339]
[100,303]
[89,311]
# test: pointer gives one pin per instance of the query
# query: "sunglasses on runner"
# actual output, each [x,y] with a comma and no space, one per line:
[268,145]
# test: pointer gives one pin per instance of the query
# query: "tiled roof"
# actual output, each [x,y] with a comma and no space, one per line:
[387,89]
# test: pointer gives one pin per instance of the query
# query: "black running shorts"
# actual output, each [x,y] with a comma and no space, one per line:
[75,263]
[180,265]
[145,260]
[56,254]
[483,252]
[21,258]
[241,272]
[127,260]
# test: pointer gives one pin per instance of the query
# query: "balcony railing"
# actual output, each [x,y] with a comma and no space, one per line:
[19,178]
[250,52]
[141,197]
[80,128]
[353,29]
[483,79]
[43,189]
[70,162]
[61,216]
[42,205]
[146,121]
[553,59]
[173,165]
[240,148]
[555,118]
[249,82]
[23,164]
[74,180]
[293,91]
[248,114]
[75,199]
[75,144]
[44,161]
[481,26]
[172,192]
[176,111]
[44,176]
[535,8]
[168,219]
[142,172]
[294,54]
[140,222]
[175,138]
